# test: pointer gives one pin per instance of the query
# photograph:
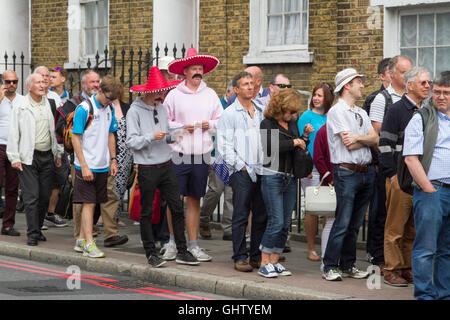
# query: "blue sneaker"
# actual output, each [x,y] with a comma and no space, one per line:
[268,271]
[281,270]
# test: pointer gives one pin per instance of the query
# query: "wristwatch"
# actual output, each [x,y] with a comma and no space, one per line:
[114,158]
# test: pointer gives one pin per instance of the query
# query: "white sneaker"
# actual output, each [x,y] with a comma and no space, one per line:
[170,251]
[200,254]
[79,245]
[354,273]
[91,251]
[332,275]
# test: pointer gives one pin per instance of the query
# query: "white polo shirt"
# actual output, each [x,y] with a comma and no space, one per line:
[342,118]
[6,107]
[378,106]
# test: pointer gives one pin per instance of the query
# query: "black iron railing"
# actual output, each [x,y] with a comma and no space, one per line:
[17,65]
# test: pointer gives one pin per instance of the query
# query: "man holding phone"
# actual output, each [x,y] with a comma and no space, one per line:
[8,99]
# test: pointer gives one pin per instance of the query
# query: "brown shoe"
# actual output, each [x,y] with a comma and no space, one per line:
[205,232]
[408,276]
[243,266]
[255,264]
[395,280]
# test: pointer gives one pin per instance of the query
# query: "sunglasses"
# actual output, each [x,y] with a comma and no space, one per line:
[359,118]
[109,98]
[283,86]
[155,114]
[11,81]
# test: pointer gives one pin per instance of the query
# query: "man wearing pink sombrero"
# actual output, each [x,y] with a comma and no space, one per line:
[195,108]
[148,138]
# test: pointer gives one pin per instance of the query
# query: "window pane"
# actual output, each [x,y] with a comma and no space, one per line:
[102,39]
[426,30]
[102,13]
[274,32]
[292,5]
[410,53]
[89,41]
[426,59]
[442,59]
[408,35]
[305,29]
[90,14]
[305,5]
[275,6]
[443,29]
[293,35]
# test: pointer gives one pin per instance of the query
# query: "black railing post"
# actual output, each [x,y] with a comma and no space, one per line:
[130,100]
[79,78]
[122,76]
[6,61]
[89,63]
[71,84]
[97,59]
[22,59]
[114,61]
[166,50]
[183,51]
[14,60]
[157,54]
[106,59]
[140,64]
[175,50]
[148,59]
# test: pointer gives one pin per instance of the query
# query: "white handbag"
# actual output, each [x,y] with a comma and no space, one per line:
[320,200]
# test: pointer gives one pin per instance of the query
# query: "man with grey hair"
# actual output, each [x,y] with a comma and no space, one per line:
[228,94]
[33,150]
[399,230]
[397,66]
[43,70]
[426,152]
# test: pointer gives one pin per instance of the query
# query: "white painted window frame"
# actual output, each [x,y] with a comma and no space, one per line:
[393,9]
[260,53]
[75,23]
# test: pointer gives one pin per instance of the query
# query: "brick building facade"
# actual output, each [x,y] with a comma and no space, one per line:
[344,33]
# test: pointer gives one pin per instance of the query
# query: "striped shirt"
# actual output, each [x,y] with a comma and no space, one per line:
[439,168]
[342,118]
[378,105]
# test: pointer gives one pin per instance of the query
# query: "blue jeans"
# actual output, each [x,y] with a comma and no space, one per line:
[431,250]
[279,208]
[247,196]
[353,192]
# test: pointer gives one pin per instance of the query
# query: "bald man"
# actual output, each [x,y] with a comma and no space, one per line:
[8,100]
[259,91]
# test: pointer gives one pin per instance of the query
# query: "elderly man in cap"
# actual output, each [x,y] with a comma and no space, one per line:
[148,137]
[349,134]
[196,109]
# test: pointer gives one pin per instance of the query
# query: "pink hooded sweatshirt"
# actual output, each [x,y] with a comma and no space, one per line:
[185,107]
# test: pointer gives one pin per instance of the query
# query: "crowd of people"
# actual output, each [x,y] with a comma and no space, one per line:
[390,158]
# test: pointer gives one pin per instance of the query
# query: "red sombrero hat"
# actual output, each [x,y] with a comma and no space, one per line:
[192,58]
[155,83]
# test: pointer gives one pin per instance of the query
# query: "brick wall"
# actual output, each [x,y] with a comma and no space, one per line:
[49,33]
[338,35]
[358,46]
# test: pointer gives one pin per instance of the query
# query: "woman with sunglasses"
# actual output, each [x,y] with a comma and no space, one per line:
[278,186]
[316,116]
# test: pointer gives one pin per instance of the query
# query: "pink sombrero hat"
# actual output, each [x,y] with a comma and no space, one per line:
[155,83]
[192,58]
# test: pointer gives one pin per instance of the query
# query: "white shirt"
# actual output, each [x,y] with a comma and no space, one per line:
[56,97]
[342,118]
[378,105]
[6,107]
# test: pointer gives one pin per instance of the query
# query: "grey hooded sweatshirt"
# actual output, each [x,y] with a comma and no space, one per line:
[141,127]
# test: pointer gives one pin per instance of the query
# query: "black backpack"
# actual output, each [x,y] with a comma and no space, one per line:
[404,177]
[366,107]
[371,97]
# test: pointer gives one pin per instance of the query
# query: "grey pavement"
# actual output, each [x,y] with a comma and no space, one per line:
[216,277]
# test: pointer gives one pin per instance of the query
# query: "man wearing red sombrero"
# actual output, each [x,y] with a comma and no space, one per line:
[148,138]
[195,108]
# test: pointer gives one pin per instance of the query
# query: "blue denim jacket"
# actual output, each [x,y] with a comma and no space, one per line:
[239,139]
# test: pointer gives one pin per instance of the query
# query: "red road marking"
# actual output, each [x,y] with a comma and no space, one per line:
[61,274]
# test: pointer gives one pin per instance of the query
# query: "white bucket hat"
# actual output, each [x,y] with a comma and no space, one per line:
[164,61]
[345,76]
